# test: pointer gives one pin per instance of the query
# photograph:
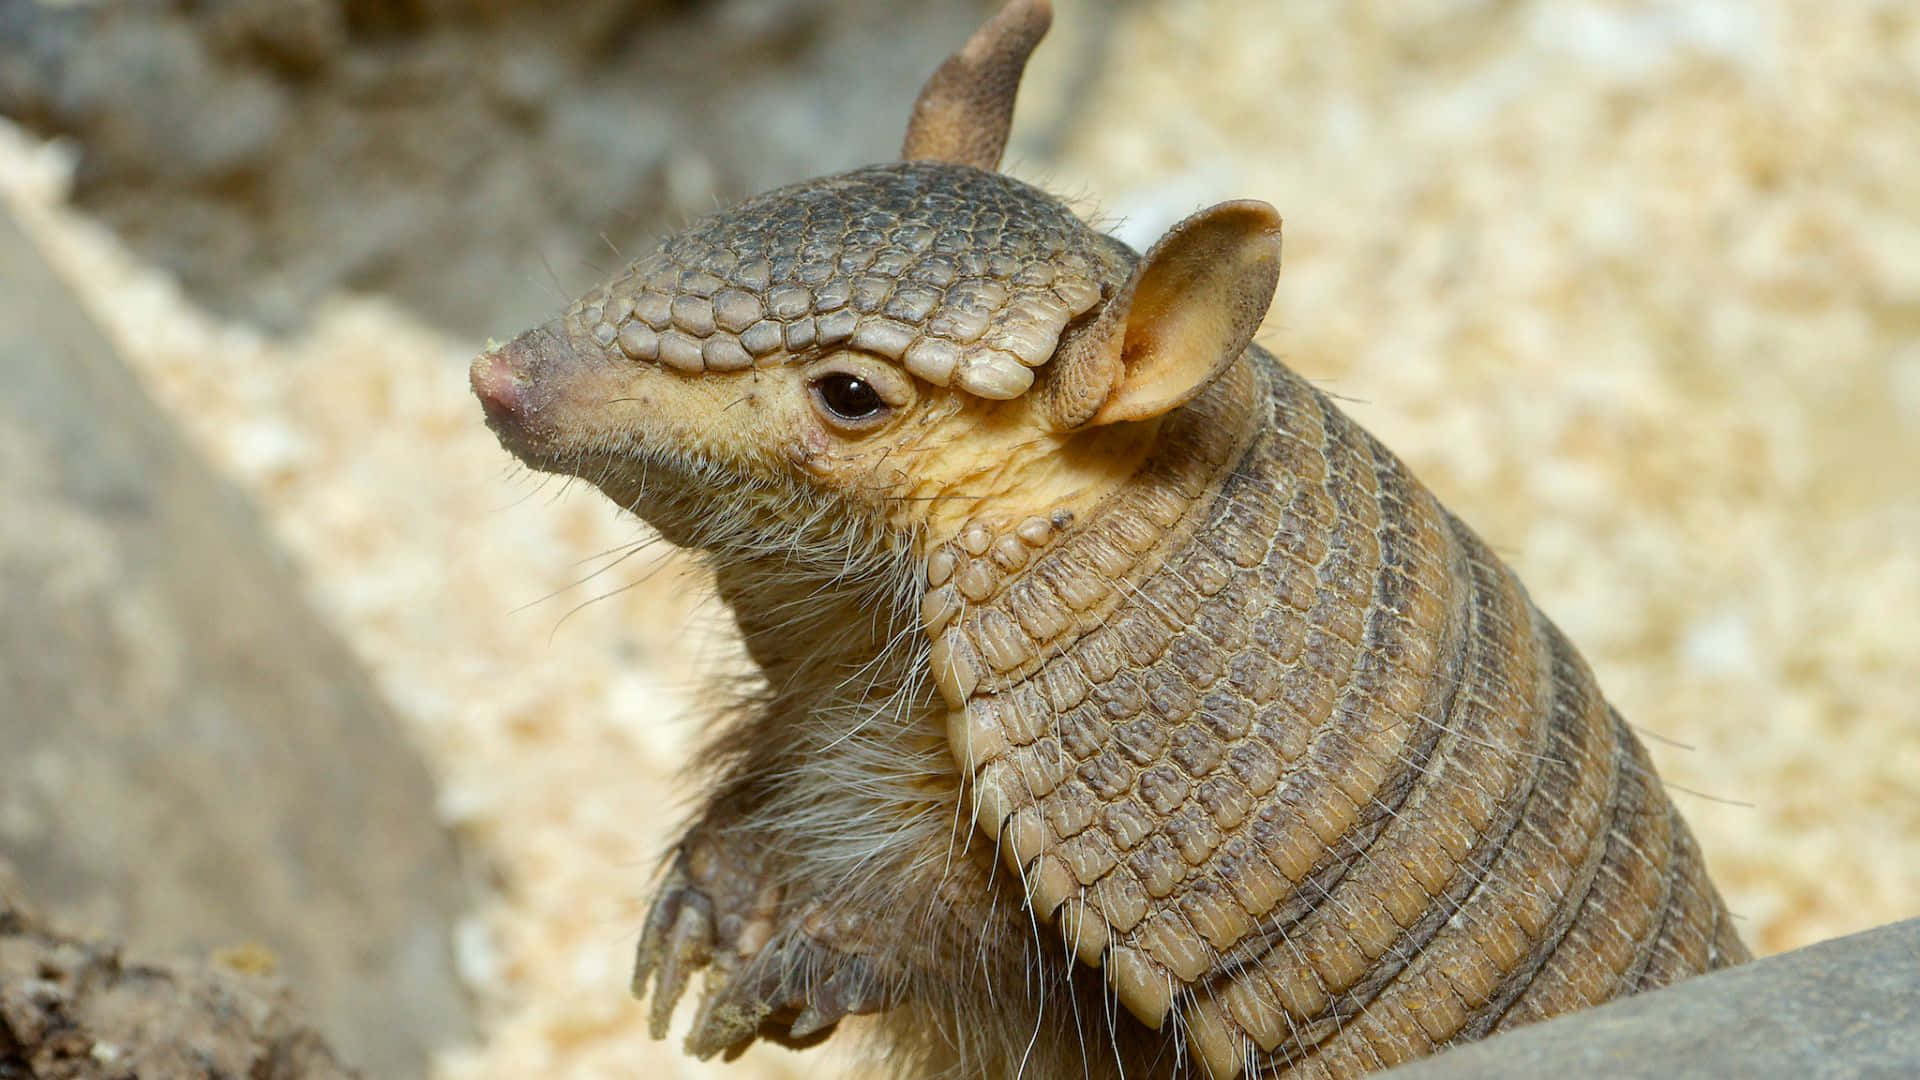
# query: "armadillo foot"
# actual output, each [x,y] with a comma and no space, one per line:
[793,993]
[786,972]
[713,911]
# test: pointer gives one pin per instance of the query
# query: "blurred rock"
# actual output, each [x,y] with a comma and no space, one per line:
[188,759]
[478,159]
[75,1010]
[1849,1007]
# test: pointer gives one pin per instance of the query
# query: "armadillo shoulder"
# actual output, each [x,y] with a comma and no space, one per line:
[1292,758]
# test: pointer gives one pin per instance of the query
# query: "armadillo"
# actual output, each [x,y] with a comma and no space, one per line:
[1123,709]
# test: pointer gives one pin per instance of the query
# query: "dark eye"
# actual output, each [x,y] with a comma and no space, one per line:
[849,398]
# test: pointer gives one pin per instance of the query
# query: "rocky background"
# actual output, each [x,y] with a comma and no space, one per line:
[1634,285]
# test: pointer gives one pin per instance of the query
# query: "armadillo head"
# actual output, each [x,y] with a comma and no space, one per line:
[879,359]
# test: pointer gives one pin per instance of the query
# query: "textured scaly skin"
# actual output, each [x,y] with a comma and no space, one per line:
[963,276]
[1307,765]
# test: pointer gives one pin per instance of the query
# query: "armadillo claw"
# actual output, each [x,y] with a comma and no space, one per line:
[677,941]
[795,992]
[849,991]
[784,972]
[728,1020]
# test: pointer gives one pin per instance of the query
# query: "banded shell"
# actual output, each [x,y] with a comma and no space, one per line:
[1298,763]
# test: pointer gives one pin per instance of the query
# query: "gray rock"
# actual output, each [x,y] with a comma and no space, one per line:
[1843,1008]
[77,1010]
[189,759]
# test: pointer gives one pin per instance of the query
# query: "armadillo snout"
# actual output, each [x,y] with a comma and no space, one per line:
[517,384]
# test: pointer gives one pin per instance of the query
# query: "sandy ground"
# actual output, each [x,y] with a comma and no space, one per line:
[1634,286]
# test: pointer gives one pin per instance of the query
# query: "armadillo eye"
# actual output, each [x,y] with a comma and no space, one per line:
[849,398]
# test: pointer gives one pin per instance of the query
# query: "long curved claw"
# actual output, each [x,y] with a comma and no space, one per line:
[849,991]
[812,1021]
[678,940]
[729,1021]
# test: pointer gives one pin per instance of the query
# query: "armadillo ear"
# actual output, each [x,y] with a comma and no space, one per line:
[966,108]
[1189,310]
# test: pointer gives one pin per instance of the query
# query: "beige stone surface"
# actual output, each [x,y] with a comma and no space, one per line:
[1635,286]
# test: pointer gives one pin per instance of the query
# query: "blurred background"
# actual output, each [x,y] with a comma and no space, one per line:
[1634,285]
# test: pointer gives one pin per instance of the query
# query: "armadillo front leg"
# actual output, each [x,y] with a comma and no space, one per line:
[778,966]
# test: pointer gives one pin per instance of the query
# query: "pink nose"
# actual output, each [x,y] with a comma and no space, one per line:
[501,389]
[525,386]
